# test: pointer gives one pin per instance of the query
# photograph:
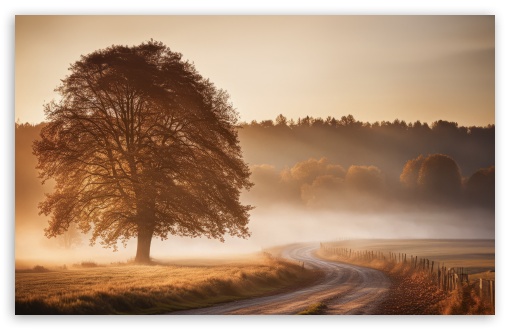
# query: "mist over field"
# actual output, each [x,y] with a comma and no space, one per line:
[314,180]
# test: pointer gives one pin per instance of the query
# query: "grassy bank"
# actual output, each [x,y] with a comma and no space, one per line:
[130,289]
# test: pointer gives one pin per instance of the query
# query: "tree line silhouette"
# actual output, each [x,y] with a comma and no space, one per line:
[347,141]
[349,121]
[312,153]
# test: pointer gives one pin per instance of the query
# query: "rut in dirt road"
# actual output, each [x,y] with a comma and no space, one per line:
[344,288]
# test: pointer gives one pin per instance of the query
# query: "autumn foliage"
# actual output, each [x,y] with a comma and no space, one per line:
[141,145]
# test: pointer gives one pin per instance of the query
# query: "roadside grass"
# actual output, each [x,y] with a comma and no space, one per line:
[411,292]
[465,301]
[314,309]
[158,289]
[415,292]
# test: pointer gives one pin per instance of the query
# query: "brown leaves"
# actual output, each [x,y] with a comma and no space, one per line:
[139,129]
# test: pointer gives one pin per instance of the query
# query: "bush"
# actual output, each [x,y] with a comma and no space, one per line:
[40,269]
[89,264]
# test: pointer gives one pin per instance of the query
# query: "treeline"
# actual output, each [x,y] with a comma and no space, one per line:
[347,141]
[350,122]
[321,162]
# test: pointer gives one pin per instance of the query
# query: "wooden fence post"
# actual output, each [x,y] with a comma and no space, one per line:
[444,278]
[491,291]
[481,289]
[451,280]
[438,277]
[447,279]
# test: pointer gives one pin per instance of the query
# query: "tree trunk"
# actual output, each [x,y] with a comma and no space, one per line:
[143,247]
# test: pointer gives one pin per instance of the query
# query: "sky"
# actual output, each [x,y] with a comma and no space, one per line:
[373,67]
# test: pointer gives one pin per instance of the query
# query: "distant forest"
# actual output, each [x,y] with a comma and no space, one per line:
[347,141]
[300,160]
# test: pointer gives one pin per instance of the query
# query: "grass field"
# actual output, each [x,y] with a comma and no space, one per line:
[476,256]
[130,289]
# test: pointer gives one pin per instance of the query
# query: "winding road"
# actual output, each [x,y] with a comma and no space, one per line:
[344,288]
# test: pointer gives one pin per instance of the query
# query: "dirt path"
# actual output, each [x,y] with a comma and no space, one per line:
[344,288]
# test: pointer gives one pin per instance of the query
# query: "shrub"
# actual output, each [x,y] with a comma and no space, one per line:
[40,269]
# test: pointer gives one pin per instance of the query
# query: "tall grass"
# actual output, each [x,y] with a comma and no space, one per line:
[157,289]
[466,301]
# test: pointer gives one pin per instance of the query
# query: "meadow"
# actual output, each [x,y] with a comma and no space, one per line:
[153,289]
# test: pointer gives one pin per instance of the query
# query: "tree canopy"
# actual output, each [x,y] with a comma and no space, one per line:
[436,176]
[141,145]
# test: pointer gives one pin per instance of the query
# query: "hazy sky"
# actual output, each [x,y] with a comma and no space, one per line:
[373,67]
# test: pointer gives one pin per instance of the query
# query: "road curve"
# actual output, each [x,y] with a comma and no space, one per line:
[344,288]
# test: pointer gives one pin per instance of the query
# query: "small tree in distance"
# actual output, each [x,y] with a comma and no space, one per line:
[436,176]
[440,174]
[409,176]
[281,120]
[141,145]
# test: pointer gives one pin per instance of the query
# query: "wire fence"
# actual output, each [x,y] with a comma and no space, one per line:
[447,279]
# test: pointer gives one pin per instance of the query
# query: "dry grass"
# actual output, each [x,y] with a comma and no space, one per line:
[465,301]
[157,289]
[411,292]
[474,255]
[314,309]
[414,291]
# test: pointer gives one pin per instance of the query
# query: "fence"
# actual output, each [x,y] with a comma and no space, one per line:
[487,290]
[447,279]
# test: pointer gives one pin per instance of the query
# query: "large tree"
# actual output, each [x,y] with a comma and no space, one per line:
[141,145]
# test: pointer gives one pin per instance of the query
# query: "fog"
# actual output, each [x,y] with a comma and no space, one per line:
[310,196]
[272,226]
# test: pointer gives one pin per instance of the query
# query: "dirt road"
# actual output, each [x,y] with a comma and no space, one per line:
[345,289]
